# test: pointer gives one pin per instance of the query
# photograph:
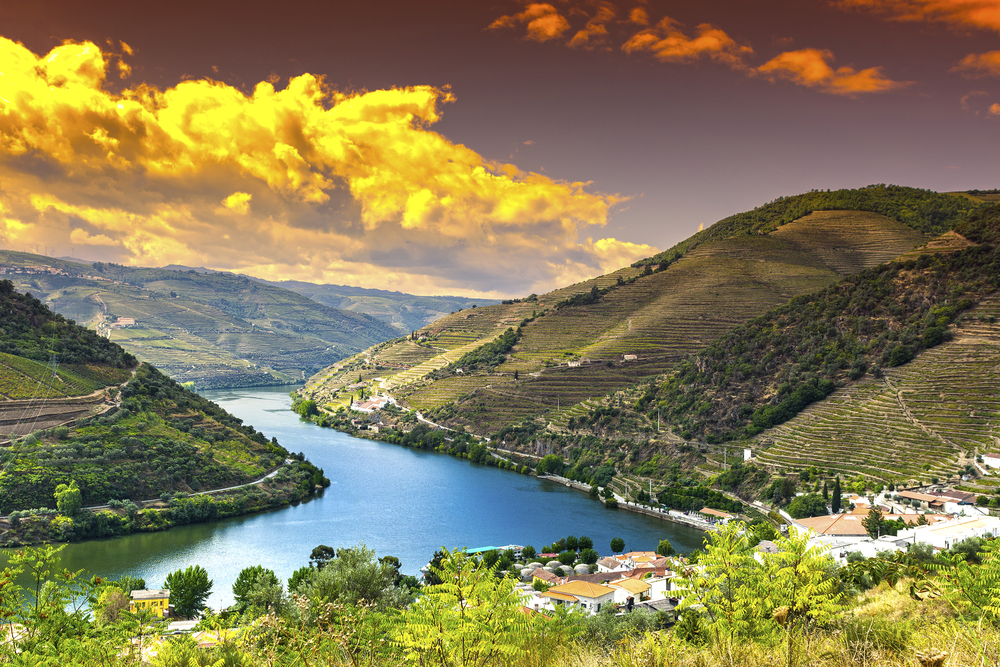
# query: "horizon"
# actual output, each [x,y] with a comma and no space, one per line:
[482,151]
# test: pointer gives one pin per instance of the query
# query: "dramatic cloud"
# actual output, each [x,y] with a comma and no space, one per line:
[595,33]
[810,67]
[304,183]
[542,20]
[977,65]
[966,13]
[668,43]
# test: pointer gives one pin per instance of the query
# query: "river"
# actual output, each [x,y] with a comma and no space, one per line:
[398,501]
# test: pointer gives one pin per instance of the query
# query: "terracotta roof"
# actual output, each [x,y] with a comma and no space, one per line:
[633,586]
[852,524]
[609,562]
[922,497]
[596,578]
[711,512]
[639,554]
[582,589]
[545,575]
[640,572]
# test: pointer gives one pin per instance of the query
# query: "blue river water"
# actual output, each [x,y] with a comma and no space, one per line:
[397,501]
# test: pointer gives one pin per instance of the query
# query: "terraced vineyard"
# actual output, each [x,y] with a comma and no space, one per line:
[926,418]
[211,329]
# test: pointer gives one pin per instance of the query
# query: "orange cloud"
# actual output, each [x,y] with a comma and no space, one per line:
[994,109]
[810,67]
[967,13]
[639,16]
[976,65]
[304,182]
[595,33]
[668,43]
[543,22]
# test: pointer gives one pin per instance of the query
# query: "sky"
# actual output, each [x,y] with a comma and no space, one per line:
[491,148]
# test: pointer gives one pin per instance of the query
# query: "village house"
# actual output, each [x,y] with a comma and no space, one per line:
[155,601]
[585,595]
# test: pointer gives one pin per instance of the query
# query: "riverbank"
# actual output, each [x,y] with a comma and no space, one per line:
[292,483]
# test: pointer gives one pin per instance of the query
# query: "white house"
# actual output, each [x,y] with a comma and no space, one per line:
[992,459]
[583,594]
[946,534]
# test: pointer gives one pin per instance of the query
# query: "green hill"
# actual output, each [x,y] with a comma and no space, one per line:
[77,408]
[213,329]
[602,336]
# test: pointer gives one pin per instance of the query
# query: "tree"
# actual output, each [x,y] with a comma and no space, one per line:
[189,589]
[321,555]
[69,499]
[589,556]
[307,408]
[664,548]
[258,588]
[873,523]
[353,577]
[572,543]
[567,557]
[811,504]
[826,491]
[617,545]
[528,552]
[471,618]
[585,543]
[835,503]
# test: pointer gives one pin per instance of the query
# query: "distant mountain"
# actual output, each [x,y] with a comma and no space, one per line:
[214,329]
[406,312]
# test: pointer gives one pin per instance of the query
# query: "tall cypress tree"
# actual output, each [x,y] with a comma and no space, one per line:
[826,491]
[835,505]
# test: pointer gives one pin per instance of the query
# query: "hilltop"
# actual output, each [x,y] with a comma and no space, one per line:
[213,329]
[571,347]
[77,409]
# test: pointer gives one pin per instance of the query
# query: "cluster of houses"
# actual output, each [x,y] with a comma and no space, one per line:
[948,518]
[638,580]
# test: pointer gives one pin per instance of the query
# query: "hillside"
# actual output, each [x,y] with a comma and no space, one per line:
[601,336]
[213,329]
[405,312]
[77,408]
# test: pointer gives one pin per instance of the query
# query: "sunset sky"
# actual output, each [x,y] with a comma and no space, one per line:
[486,148]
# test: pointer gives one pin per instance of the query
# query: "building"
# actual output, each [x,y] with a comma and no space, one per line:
[992,459]
[124,322]
[946,534]
[848,525]
[583,594]
[155,601]
[637,589]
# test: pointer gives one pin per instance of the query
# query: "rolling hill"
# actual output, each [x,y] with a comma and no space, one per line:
[583,342]
[405,312]
[213,329]
[76,409]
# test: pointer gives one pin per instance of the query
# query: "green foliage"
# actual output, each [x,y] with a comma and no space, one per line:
[306,408]
[259,590]
[665,548]
[32,331]
[353,577]
[69,500]
[471,618]
[810,504]
[189,589]
[883,316]
[488,356]
[550,464]
[617,545]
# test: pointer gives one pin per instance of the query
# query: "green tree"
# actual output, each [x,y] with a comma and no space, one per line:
[258,589]
[528,552]
[617,545]
[307,408]
[664,548]
[471,618]
[567,557]
[189,589]
[321,555]
[835,503]
[586,543]
[353,577]
[810,504]
[873,523]
[69,499]
[589,556]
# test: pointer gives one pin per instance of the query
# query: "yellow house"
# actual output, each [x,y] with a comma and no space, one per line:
[157,601]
